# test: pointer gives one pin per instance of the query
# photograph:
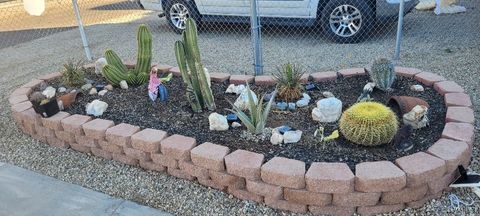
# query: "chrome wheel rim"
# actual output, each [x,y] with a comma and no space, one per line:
[179,15]
[345,20]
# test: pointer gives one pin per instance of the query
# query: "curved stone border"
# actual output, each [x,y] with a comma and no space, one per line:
[281,183]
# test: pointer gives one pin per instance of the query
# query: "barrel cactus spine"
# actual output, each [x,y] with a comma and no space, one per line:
[369,124]
[383,74]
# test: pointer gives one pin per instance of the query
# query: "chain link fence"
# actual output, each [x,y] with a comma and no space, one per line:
[319,35]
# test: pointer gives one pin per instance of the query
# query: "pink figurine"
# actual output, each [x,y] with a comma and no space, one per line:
[153,84]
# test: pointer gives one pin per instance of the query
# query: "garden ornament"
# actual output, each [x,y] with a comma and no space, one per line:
[406,103]
[417,117]
[155,86]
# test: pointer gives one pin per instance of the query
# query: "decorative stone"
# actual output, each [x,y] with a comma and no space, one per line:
[292,136]
[291,106]
[306,96]
[236,125]
[86,87]
[232,117]
[302,103]
[123,84]
[334,178]
[327,94]
[92,91]
[281,106]
[245,164]
[327,110]
[49,92]
[379,176]
[102,92]
[417,88]
[310,87]
[417,118]
[369,87]
[218,122]
[99,87]
[99,64]
[96,108]
[267,96]
[108,87]
[242,101]
[276,138]
[284,172]
[62,89]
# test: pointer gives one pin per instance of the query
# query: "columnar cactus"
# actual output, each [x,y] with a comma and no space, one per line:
[117,71]
[383,74]
[194,75]
[369,124]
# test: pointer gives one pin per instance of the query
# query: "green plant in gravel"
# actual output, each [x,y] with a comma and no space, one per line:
[257,116]
[369,124]
[73,74]
[383,74]
[115,71]
[199,94]
[288,77]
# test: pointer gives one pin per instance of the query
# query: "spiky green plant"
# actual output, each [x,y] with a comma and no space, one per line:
[383,74]
[199,94]
[369,124]
[73,73]
[257,116]
[288,78]
[115,71]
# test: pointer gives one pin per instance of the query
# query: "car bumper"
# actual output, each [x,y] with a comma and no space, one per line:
[389,8]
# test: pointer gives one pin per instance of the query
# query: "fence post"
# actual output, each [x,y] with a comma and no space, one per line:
[396,56]
[82,30]
[256,38]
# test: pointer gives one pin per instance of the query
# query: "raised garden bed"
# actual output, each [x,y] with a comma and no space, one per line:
[295,176]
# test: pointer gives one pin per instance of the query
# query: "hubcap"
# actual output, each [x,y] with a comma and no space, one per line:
[345,20]
[178,15]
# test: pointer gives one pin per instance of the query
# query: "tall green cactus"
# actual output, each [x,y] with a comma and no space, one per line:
[383,74]
[117,71]
[189,62]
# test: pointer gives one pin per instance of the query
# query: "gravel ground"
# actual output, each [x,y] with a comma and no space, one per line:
[448,45]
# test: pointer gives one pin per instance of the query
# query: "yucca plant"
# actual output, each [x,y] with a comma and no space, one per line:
[288,78]
[257,116]
[73,74]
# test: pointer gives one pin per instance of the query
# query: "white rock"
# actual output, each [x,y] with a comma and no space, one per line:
[425,5]
[236,125]
[230,89]
[242,100]
[102,92]
[417,88]
[327,94]
[96,108]
[302,103]
[417,117]
[327,110]
[60,105]
[49,92]
[62,89]
[217,122]
[369,87]
[276,137]
[73,91]
[123,84]
[306,96]
[99,64]
[86,87]
[108,87]
[292,136]
[93,91]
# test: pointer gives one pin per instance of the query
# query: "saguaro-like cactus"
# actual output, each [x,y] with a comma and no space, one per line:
[117,71]
[383,74]
[189,62]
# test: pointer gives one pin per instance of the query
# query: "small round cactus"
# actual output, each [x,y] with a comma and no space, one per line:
[369,124]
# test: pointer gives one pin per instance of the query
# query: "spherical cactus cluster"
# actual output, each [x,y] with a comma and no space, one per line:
[369,124]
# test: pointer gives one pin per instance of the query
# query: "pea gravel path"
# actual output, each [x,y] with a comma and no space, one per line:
[23,62]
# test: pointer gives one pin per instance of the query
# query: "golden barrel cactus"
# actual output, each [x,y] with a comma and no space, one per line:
[369,124]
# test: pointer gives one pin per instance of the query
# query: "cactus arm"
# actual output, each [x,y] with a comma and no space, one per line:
[113,59]
[182,65]
[193,69]
[144,52]
[114,75]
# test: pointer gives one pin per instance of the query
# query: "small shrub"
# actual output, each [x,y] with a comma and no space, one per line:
[73,74]
[258,113]
[288,77]
[383,74]
[369,124]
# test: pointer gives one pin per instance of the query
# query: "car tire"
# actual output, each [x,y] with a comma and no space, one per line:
[347,21]
[187,9]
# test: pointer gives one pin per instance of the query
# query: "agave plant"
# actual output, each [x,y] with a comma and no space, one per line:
[257,116]
[288,77]
[73,73]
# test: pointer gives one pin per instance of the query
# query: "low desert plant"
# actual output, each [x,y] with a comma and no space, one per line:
[73,74]
[369,124]
[257,116]
[288,77]
[383,74]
